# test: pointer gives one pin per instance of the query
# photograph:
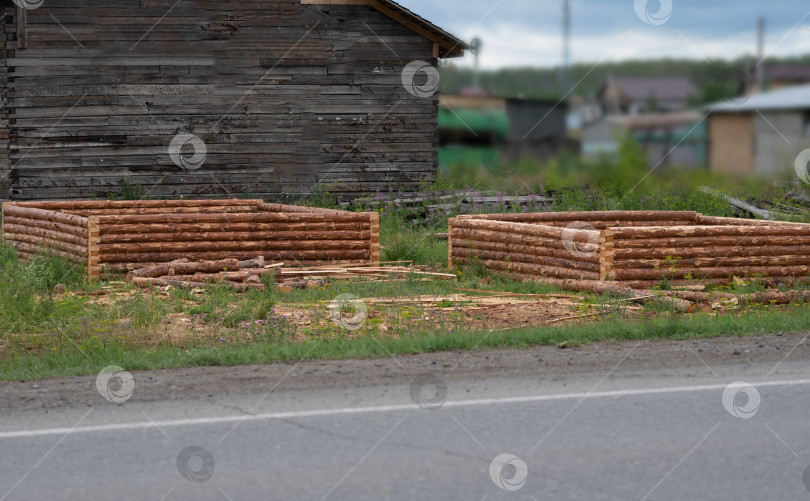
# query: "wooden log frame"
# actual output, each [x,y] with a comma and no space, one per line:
[32,230]
[129,267]
[588,216]
[124,235]
[69,205]
[641,247]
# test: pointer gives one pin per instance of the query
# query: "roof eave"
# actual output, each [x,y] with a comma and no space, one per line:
[447,45]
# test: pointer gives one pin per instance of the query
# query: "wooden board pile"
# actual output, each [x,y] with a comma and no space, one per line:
[248,274]
[300,278]
[446,199]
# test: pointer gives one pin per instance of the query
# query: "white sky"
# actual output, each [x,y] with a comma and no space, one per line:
[529,32]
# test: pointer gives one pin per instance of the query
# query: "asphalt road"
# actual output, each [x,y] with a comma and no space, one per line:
[617,431]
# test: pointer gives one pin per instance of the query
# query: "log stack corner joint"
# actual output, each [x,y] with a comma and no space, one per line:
[126,235]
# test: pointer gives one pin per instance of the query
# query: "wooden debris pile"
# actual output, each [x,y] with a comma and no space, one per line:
[684,301]
[241,275]
[244,275]
[446,200]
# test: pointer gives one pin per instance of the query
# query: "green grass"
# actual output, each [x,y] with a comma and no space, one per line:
[44,335]
[92,357]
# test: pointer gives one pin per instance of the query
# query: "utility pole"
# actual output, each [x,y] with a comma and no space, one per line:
[760,53]
[565,70]
[476,45]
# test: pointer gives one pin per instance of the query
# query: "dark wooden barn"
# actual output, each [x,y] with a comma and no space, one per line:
[212,98]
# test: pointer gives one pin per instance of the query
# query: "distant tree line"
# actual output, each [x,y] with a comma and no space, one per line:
[715,80]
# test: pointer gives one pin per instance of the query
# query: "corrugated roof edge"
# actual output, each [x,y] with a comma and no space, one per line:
[450,45]
[791,98]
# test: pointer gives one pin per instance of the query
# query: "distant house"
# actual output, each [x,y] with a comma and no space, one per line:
[666,138]
[762,134]
[634,95]
[780,76]
[212,99]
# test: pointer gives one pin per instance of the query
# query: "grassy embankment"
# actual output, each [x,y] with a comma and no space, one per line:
[43,334]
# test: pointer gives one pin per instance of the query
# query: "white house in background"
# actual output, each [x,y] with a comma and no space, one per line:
[761,134]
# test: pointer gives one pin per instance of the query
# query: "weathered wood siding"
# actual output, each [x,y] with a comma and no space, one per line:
[285,97]
[7,32]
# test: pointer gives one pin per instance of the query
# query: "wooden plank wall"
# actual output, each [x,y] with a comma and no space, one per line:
[285,97]
[8,31]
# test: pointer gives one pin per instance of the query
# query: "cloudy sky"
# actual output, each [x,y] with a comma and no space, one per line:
[528,32]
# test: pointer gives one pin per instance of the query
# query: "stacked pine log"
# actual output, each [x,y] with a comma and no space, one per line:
[135,234]
[31,231]
[645,256]
[239,275]
[523,248]
[547,244]
[599,220]
[636,248]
